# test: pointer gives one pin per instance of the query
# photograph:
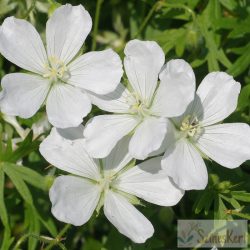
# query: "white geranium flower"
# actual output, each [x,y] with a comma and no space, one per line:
[58,78]
[197,134]
[111,182]
[142,108]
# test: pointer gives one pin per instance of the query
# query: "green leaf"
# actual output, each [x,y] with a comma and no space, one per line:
[229,4]
[5,149]
[33,224]
[17,180]
[30,176]
[114,240]
[3,211]
[198,62]
[6,7]
[219,209]
[234,203]
[205,198]
[27,146]
[91,244]
[240,29]
[244,98]
[7,239]
[241,196]
[223,59]
[212,62]
[180,43]
[170,39]
[49,225]
[241,64]
[214,11]
[211,44]
[242,215]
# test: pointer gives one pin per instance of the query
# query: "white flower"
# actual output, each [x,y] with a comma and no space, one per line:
[57,79]
[197,134]
[111,182]
[142,108]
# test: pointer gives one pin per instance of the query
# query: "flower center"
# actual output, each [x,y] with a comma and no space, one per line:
[105,183]
[190,126]
[56,70]
[138,106]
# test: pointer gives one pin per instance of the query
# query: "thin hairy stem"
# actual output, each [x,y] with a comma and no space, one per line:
[56,241]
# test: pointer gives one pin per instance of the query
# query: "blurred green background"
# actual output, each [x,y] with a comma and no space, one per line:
[212,35]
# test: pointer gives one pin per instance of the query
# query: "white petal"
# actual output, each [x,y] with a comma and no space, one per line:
[228,144]
[116,101]
[68,155]
[149,182]
[184,164]
[163,146]
[218,93]
[143,63]
[148,137]
[21,44]
[66,31]
[99,72]
[72,134]
[103,132]
[23,94]
[67,105]
[119,156]
[73,199]
[126,218]
[176,89]
[194,109]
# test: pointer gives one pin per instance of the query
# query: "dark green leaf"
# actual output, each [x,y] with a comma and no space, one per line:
[17,180]
[241,64]
[30,176]
[7,240]
[3,212]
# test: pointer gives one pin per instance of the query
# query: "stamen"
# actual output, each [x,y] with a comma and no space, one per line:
[137,106]
[56,70]
[190,126]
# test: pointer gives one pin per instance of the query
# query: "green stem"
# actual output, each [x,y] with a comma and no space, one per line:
[147,18]
[52,242]
[56,241]
[96,22]
[26,236]
[32,6]
[181,6]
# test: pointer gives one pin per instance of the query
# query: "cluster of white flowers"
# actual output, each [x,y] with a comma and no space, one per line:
[158,112]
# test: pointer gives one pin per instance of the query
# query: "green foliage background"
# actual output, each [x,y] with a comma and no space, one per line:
[211,35]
